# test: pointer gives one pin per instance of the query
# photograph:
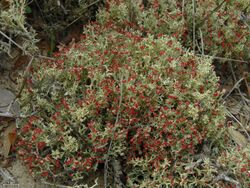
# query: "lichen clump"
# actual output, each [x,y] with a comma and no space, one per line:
[210,27]
[155,102]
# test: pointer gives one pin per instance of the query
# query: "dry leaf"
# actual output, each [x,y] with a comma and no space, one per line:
[12,138]
[237,137]
[9,138]
[44,46]
[236,108]
[248,126]
[21,61]
[246,76]
[227,88]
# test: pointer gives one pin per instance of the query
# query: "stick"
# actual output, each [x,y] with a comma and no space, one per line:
[21,48]
[217,8]
[75,186]
[22,86]
[183,9]
[223,58]
[56,185]
[110,144]
[118,173]
[234,78]
[232,116]
[25,75]
[224,177]
[193,14]
[235,86]
[8,114]
[6,175]
[91,4]
[202,43]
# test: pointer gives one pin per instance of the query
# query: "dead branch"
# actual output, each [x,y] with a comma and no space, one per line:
[226,178]
[111,142]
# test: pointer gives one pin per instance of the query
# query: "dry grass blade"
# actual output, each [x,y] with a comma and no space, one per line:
[246,82]
[211,13]
[7,176]
[224,59]
[237,137]
[235,80]
[194,25]
[232,116]
[111,142]
[91,4]
[78,186]
[226,178]
[21,48]
[233,88]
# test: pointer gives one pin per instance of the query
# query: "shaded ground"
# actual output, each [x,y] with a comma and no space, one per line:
[24,180]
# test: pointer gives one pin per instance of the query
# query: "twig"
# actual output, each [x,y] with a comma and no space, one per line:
[7,37]
[23,84]
[41,12]
[44,57]
[202,43]
[91,4]
[118,173]
[244,18]
[21,48]
[6,176]
[75,186]
[246,83]
[232,116]
[183,9]
[28,3]
[224,177]
[62,7]
[9,49]
[223,58]
[56,185]
[234,78]
[193,14]
[235,86]
[193,164]
[197,45]
[111,142]
[25,75]
[215,9]
[8,115]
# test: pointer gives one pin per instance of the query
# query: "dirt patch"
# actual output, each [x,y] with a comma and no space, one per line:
[19,177]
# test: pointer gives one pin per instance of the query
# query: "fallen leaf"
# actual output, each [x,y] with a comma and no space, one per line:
[20,62]
[9,138]
[236,108]
[237,137]
[12,138]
